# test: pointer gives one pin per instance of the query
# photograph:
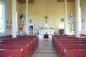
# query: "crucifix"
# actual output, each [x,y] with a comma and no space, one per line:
[46,19]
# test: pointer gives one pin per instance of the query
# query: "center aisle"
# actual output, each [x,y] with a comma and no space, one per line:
[45,49]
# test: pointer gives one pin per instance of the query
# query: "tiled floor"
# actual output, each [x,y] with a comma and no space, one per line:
[45,49]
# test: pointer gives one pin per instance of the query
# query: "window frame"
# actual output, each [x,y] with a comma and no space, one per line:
[3,28]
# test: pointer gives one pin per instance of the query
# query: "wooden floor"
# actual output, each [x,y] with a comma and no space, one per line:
[45,49]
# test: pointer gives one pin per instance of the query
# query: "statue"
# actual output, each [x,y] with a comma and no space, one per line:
[46,25]
[46,19]
[21,25]
[61,26]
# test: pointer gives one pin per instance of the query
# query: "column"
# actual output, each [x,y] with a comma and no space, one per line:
[77,18]
[14,19]
[65,14]
[27,32]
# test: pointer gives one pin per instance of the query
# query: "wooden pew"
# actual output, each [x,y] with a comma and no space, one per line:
[11,53]
[75,53]
[63,43]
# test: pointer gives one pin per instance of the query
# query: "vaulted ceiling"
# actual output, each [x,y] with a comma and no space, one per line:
[24,1]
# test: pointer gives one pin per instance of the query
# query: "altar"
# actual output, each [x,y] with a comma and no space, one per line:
[49,31]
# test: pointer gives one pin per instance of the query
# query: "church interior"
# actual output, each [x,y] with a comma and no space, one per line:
[42,28]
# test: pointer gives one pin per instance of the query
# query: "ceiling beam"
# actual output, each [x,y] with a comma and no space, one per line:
[24,1]
[67,0]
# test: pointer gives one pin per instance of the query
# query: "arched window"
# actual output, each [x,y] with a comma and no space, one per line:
[2,17]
